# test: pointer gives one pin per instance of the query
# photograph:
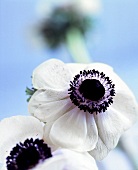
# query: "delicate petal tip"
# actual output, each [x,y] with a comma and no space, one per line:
[100,151]
[101,67]
[49,105]
[125,101]
[16,129]
[111,125]
[52,74]
[126,104]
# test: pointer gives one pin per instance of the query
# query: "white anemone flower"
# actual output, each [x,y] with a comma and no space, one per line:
[22,148]
[86,107]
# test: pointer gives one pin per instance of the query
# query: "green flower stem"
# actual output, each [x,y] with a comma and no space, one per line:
[76,46]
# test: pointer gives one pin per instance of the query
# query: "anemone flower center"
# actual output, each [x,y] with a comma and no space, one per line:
[92,89]
[28,158]
[28,154]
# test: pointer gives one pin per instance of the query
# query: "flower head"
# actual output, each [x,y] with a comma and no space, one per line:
[27,154]
[23,148]
[86,106]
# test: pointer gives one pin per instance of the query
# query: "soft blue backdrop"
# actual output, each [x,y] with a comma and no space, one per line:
[114,42]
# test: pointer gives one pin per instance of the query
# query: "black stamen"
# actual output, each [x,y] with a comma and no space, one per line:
[26,155]
[92,91]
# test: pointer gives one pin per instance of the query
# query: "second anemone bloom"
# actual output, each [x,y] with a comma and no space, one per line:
[22,148]
[86,107]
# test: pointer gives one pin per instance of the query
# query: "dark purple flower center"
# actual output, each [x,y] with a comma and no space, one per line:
[92,91]
[28,154]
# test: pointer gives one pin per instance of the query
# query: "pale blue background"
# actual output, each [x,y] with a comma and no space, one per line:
[115,42]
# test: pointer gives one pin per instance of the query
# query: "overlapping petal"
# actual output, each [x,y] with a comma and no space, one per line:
[110,127]
[124,101]
[64,159]
[51,74]
[74,131]
[118,118]
[49,104]
[15,129]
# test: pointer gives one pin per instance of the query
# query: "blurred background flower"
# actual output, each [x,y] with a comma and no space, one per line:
[113,41]
[65,23]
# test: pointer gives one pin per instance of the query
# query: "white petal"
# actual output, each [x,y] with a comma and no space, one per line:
[101,67]
[54,163]
[111,125]
[127,106]
[48,107]
[51,74]
[3,167]
[75,68]
[76,160]
[42,97]
[92,132]
[124,101]
[100,151]
[49,95]
[46,137]
[69,131]
[16,129]
[119,117]
[89,141]
[64,159]
[72,131]
[119,83]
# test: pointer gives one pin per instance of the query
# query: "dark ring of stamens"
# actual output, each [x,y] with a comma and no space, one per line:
[28,154]
[92,91]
